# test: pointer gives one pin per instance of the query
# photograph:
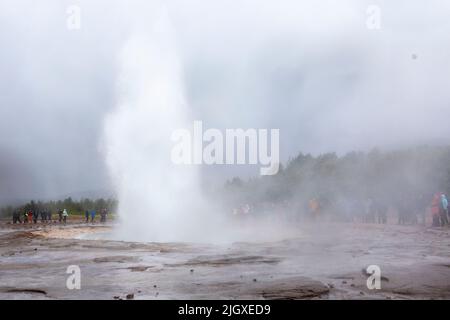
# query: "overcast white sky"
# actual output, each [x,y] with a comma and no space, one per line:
[310,68]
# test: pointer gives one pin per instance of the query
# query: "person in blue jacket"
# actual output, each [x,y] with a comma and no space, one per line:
[443,210]
[92,215]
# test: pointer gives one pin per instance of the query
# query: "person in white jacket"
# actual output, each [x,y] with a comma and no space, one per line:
[65,215]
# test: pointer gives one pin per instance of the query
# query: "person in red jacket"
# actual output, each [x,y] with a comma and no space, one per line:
[435,209]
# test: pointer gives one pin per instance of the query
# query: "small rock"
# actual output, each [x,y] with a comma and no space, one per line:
[154,286]
[130,296]
[344,282]
[361,293]
[254,280]
[352,285]
[116,297]
[192,270]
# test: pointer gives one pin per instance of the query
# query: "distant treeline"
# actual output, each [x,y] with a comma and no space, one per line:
[72,206]
[411,175]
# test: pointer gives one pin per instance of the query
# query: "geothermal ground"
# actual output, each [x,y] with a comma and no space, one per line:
[320,262]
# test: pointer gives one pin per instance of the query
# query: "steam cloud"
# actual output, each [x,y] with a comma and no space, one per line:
[310,68]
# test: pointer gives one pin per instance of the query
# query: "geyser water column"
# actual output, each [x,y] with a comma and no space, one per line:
[158,200]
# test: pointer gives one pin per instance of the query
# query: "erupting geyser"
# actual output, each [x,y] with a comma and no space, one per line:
[158,200]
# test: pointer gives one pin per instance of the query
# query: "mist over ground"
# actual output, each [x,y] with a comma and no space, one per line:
[312,69]
[109,111]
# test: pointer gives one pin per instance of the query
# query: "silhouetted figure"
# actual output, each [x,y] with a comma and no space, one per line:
[402,212]
[103,215]
[16,217]
[381,210]
[314,208]
[369,216]
[60,214]
[421,207]
[43,215]
[35,214]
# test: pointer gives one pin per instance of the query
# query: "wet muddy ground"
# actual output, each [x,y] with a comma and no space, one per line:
[321,262]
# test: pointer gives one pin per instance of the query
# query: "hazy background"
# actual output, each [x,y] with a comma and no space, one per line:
[311,68]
